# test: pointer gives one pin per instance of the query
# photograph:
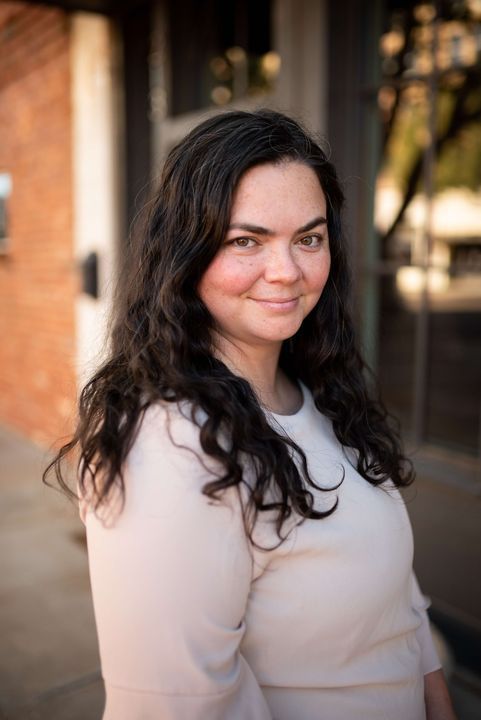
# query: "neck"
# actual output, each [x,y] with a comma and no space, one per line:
[259,365]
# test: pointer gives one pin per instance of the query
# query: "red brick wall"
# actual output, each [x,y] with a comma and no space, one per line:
[37,274]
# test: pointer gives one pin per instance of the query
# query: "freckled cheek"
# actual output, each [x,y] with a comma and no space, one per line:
[318,276]
[227,278]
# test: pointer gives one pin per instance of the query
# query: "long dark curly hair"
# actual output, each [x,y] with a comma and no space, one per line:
[161,345]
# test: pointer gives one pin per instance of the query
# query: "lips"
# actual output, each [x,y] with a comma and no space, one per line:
[277,304]
[275,300]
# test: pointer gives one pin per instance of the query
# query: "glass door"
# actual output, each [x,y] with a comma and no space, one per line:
[427,220]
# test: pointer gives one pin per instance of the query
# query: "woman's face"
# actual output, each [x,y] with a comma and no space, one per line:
[274,262]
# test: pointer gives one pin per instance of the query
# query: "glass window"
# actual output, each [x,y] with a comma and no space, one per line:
[220,51]
[428,218]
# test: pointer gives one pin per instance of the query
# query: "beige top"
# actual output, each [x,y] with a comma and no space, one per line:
[193,625]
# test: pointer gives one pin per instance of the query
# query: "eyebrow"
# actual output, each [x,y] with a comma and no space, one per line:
[258,230]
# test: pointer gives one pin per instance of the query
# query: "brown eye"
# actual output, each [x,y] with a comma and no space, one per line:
[243,242]
[311,241]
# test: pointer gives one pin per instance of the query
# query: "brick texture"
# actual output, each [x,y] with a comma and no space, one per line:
[38,279]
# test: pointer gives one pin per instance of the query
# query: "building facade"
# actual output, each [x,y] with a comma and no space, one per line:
[37,284]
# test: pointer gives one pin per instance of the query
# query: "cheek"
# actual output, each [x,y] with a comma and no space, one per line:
[225,278]
[318,275]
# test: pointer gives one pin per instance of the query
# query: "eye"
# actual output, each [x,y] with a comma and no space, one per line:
[311,241]
[242,242]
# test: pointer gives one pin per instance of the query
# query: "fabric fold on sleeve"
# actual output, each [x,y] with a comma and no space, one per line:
[238,702]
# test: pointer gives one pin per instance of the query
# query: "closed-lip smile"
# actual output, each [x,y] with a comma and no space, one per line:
[275,300]
[277,304]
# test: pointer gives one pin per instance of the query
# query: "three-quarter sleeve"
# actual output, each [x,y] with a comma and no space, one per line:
[429,656]
[170,580]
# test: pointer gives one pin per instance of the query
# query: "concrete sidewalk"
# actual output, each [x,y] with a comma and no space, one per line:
[49,664]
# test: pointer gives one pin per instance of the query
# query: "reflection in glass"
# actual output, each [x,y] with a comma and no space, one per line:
[397,332]
[428,217]
[454,381]
[220,50]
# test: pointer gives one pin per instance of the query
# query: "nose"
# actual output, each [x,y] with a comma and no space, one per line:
[281,265]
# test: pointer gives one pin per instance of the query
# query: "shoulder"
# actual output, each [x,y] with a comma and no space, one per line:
[165,466]
[167,429]
[166,458]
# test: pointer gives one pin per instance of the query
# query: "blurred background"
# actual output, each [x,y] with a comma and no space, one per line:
[93,94]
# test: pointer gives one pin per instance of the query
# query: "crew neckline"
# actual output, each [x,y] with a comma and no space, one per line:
[298,412]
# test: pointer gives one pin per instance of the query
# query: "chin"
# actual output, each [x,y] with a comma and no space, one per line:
[279,337]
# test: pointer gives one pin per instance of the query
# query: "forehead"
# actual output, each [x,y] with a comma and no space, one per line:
[285,188]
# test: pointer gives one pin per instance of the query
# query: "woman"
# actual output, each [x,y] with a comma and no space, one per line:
[250,554]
